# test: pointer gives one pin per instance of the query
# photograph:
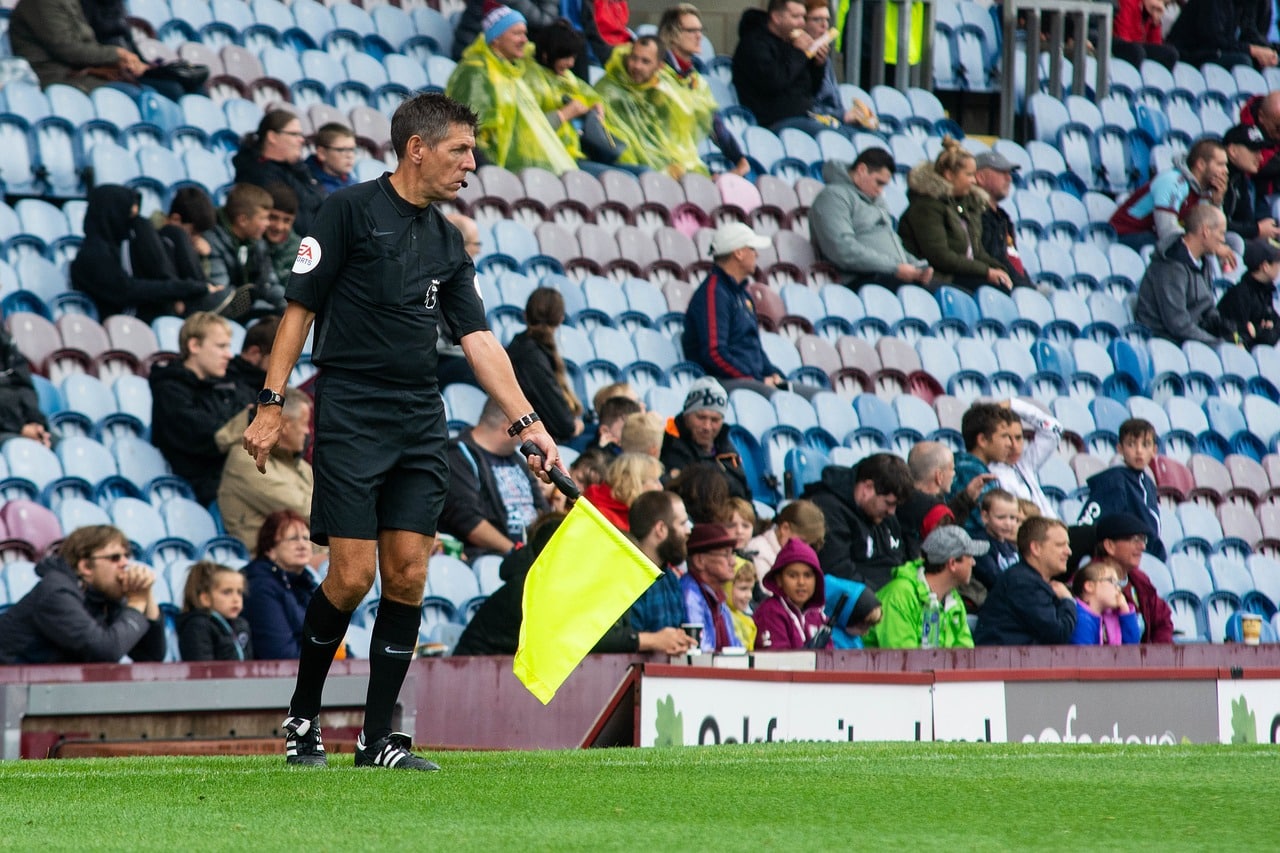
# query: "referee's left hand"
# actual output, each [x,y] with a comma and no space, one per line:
[262,435]
[551,454]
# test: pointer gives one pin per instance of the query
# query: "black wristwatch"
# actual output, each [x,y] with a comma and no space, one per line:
[267,397]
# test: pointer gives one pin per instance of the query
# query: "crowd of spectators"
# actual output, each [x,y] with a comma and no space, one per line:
[938,550]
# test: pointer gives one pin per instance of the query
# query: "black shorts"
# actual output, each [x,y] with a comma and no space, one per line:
[379,460]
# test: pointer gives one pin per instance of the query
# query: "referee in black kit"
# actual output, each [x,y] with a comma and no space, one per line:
[377,270]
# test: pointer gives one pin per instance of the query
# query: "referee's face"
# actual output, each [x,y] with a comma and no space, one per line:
[442,169]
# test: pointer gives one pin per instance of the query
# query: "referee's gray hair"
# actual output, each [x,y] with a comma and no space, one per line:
[430,115]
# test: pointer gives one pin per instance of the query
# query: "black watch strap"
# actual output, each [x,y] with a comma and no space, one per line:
[524,423]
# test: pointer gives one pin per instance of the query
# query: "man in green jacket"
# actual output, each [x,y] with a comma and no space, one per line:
[947,565]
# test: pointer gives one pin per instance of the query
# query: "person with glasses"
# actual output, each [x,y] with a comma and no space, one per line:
[864,539]
[710,565]
[274,153]
[93,604]
[828,104]
[680,31]
[279,586]
[1122,538]
[1103,616]
[334,158]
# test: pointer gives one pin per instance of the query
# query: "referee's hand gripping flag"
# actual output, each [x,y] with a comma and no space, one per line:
[586,577]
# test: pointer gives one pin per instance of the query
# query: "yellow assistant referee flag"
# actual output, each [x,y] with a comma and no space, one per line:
[586,577]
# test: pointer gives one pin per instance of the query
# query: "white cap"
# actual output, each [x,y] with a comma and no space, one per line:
[733,236]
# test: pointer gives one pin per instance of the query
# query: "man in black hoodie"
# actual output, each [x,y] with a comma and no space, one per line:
[1249,306]
[191,400]
[864,541]
[146,279]
[772,73]
[91,606]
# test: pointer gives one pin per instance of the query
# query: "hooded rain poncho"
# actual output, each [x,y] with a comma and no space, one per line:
[661,120]
[513,132]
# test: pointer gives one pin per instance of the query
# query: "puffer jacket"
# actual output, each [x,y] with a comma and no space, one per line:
[944,230]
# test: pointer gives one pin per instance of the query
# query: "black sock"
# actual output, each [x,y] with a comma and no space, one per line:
[322,632]
[395,635]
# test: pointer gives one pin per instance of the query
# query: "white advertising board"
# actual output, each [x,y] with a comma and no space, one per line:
[695,711]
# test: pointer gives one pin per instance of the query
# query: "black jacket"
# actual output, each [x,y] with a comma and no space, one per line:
[204,635]
[1208,28]
[997,236]
[856,549]
[535,371]
[186,412]
[19,404]
[773,79]
[679,452]
[911,513]
[473,491]
[1251,301]
[494,629]
[60,621]
[99,268]
[1240,202]
[251,168]
[1022,610]
[248,380]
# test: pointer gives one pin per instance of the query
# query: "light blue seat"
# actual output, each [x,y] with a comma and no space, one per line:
[74,513]
[463,403]
[189,520]
[86,459]
[139,520]
[139,462]
[1190,574]
[835,414]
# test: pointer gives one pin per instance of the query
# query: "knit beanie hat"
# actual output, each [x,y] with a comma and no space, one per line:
[706,393]
[498,19]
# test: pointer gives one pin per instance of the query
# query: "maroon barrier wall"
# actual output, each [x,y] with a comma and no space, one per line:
[474,703]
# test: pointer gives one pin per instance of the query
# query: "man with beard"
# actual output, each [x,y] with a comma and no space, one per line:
[661,528]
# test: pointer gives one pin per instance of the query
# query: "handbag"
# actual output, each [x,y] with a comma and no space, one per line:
[190,76]
[598,143]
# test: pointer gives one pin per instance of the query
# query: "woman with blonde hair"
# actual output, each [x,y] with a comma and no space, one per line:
[539,368]
[628,477]
[943,221]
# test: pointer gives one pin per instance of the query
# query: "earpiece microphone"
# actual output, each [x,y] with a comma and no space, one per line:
[464,185]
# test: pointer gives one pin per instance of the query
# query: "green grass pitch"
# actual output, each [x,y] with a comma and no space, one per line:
[787,797]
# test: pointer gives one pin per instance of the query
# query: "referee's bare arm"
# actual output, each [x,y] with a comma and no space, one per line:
[261,436]
[492,367]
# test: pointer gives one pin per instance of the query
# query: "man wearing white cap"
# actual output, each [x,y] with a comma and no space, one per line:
[721,333]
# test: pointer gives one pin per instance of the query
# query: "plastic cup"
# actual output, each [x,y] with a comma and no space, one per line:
[1251,628]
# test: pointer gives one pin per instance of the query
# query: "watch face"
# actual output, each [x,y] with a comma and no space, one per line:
[266,397]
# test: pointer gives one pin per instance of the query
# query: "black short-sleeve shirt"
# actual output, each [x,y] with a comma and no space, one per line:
[379,272]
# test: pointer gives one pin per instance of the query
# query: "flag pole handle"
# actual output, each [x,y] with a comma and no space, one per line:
[562,481]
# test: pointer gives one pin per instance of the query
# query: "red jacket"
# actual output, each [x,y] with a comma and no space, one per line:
[1132,23]
[1156,616]
[601,497]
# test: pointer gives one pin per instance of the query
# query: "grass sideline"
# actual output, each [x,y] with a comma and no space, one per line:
[731,797]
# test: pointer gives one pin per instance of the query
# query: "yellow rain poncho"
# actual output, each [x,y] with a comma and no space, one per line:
[513,132]
[661,121]
[550,89]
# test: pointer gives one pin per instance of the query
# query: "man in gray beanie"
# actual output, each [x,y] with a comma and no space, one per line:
[703,436]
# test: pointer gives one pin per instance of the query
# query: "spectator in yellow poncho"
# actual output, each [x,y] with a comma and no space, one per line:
[561,96]
[513,132]
[657,117]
